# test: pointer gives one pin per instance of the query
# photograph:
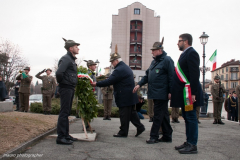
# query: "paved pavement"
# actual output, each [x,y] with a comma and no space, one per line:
[215,142]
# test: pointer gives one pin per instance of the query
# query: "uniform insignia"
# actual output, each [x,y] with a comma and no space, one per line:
[157,70]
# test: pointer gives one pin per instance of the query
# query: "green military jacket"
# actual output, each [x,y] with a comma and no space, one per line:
[107,92]
[49,84]
[25,83]
[215,92]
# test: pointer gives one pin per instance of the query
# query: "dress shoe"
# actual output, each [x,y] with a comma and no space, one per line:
[69,137]
[64,141]
[151,119]
[215,121]
[105,118]
[118,135]
[220,121]
[189,149]
[177,121]
[139,132]
[109,118]
[16,110]
[181,146]
[167,140]
[152,141]
[199,122]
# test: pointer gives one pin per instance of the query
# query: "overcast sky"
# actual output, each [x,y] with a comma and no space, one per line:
[38,26]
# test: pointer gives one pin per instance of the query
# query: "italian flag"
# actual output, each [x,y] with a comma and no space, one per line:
[213,59]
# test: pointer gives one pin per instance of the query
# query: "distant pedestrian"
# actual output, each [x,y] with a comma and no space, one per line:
[3,90]
[186,92]
[238,95]
[139,109]
[226,106]
[233,107]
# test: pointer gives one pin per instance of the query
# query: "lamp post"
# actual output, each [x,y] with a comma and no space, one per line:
[97,62]
[204,40]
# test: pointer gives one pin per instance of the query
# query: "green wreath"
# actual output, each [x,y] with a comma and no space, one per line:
[86,101]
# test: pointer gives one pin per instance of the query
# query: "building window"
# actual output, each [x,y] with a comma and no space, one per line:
[136,11]
[223,70]
[135,36]
[226,76]
[233,76]
[234,84]
[226,69]
[227,85]
[222,77]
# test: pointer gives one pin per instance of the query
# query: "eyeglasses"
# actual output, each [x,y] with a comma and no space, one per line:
[181,40]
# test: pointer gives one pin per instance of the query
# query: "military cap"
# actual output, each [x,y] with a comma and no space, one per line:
[108,75]
[27,68]
[90,62]
[233,92]
[48,69]
[217,77]
[158,45]
[69,43]
[115,55]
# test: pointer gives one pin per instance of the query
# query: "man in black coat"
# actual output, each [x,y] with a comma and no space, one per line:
[17,85]
[123,84]
[159,78]
[233,107]
[189,63]
[67,78]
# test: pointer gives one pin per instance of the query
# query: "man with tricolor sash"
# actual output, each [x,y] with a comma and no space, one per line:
[187,92]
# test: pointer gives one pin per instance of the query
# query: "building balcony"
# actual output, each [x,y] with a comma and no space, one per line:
[134,41]
[137,63]
[138,29]
[234,79]
[226,79]
[234,69]
[134,54]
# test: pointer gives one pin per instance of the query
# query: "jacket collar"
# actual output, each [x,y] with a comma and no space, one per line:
[93,73]
[160,57]
[118,64]
[70,54]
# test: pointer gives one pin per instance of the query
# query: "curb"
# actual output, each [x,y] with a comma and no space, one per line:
[22,147]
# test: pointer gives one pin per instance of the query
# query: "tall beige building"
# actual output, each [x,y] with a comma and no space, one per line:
[134,30]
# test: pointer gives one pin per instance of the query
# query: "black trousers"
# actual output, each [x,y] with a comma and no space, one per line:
[161,118]
[66,97]
[17,102]
[128,114]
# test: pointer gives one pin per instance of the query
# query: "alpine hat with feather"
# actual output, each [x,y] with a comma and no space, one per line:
[115,55]
[69,43]
[158,45]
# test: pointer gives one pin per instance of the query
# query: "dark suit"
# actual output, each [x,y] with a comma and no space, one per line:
[189,62]
[123,84]
[233,108]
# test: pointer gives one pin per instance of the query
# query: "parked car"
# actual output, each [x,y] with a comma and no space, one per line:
[35,98]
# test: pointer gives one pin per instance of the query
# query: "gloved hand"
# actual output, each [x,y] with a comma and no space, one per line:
[43,71]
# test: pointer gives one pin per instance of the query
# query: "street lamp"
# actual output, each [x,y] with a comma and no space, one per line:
[97,66]
[204,40]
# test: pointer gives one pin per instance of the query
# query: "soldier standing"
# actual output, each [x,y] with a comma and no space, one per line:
[217,94]
[233,107]
[48,88]
[107,100]
[24,89]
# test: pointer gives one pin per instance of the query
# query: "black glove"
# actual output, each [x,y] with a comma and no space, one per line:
[43,71]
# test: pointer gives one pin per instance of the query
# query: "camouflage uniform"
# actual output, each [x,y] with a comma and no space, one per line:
[24,90]
[217,101]
[48,89]
[107,100]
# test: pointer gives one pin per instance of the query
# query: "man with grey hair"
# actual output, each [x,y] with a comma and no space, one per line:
[159,78]
[123,84]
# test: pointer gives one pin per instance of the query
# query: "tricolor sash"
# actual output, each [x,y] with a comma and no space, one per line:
[82,75]
[187,96]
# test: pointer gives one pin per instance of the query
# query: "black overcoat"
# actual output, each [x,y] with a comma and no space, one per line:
[123,84]
[189,62]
